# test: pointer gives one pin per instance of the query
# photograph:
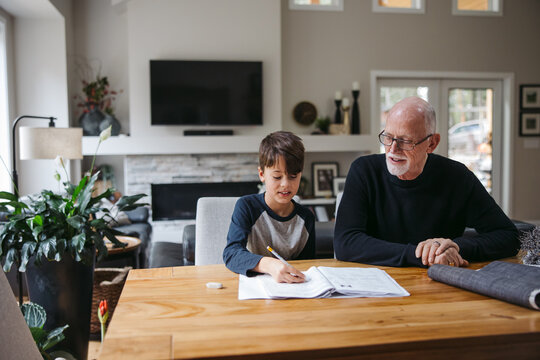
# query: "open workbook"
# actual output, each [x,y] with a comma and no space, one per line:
[323,282]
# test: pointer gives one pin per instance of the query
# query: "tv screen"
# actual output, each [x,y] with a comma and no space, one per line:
[206,92]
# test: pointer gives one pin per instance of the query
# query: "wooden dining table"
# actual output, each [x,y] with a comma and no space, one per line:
[169,313]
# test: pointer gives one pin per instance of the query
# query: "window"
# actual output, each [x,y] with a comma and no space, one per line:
[399,6]
[329,5]
[390,92]
[470,129]
[477,7]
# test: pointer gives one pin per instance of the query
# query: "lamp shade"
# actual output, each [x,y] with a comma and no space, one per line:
[49,142]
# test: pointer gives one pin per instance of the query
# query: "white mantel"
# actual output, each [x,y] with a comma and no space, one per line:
[129,145]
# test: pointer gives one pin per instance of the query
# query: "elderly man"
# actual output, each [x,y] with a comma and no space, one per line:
[409,207]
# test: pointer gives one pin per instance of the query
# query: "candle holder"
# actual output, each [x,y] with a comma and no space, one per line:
[346,119]
[355,113]
[337,115]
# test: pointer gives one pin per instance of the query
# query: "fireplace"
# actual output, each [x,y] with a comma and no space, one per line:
[178,201]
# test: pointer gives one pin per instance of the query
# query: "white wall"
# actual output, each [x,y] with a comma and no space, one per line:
[100,45]
[41,88]
[6,88]
[203,30]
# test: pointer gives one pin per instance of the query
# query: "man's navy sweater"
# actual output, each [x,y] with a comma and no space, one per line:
[381,218]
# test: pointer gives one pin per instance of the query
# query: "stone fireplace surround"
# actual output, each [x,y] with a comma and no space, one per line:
[140,171]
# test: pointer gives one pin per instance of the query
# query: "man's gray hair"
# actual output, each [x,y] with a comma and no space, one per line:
[430,117]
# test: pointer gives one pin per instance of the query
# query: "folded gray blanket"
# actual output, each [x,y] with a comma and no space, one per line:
[515,283]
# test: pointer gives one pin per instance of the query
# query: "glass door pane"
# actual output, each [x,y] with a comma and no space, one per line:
[470,131]
[392,91]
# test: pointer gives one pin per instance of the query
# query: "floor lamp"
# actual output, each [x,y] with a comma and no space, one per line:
[42,143]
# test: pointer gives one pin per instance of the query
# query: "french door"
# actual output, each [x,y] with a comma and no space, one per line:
[469,119]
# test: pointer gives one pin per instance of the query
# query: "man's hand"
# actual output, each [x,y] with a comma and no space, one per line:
[450,257]
[431,248]
[280,272]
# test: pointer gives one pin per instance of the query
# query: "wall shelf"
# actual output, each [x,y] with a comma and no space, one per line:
[128,145]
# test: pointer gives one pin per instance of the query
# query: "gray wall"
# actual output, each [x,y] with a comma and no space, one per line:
[326,51]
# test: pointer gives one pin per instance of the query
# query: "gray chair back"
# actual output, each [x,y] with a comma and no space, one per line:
[211,227]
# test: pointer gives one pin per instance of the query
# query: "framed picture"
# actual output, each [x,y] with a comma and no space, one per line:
[323,178]
[529,124]
[529,96]
[339,184]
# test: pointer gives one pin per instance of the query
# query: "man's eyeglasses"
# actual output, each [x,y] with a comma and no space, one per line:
[406,145]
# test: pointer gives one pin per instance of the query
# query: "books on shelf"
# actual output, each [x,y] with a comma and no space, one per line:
[515,283]
[323,282]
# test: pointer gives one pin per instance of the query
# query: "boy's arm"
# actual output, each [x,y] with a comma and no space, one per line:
[236,256]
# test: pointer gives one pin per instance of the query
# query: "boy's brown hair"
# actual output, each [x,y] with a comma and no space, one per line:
[282,143]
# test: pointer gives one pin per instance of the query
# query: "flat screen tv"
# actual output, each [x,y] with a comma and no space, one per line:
[206,92]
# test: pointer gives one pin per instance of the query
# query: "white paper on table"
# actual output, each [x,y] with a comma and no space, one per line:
[250,288]
[338,282]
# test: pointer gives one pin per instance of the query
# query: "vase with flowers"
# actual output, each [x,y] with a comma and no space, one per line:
[97,107]
[55,238]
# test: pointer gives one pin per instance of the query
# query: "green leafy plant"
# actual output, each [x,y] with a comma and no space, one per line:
[323,124]
[35,316]
[97,95]
[50,225]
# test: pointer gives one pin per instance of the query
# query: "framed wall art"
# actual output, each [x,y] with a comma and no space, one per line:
[529,97]
[323,178]
[529,124]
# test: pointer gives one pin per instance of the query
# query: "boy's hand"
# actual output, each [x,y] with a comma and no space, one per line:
[279,271]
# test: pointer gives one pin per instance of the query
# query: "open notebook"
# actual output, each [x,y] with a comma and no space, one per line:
[323,282]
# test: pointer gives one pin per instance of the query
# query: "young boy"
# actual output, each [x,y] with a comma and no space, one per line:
[273,218]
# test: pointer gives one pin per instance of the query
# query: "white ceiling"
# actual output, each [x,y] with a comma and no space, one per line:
[30,9]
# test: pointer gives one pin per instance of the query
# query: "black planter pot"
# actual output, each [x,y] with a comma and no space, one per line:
[90,122]
[110,120]
[64,289]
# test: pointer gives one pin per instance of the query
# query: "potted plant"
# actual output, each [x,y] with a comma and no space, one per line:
[98,111]
[55,238]
[35,317]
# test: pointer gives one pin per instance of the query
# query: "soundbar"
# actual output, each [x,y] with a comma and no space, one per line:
[207,132]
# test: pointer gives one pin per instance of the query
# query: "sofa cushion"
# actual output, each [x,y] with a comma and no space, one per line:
[139,214]
[165,254]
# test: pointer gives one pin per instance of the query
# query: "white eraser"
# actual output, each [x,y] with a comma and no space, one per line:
[214,285]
